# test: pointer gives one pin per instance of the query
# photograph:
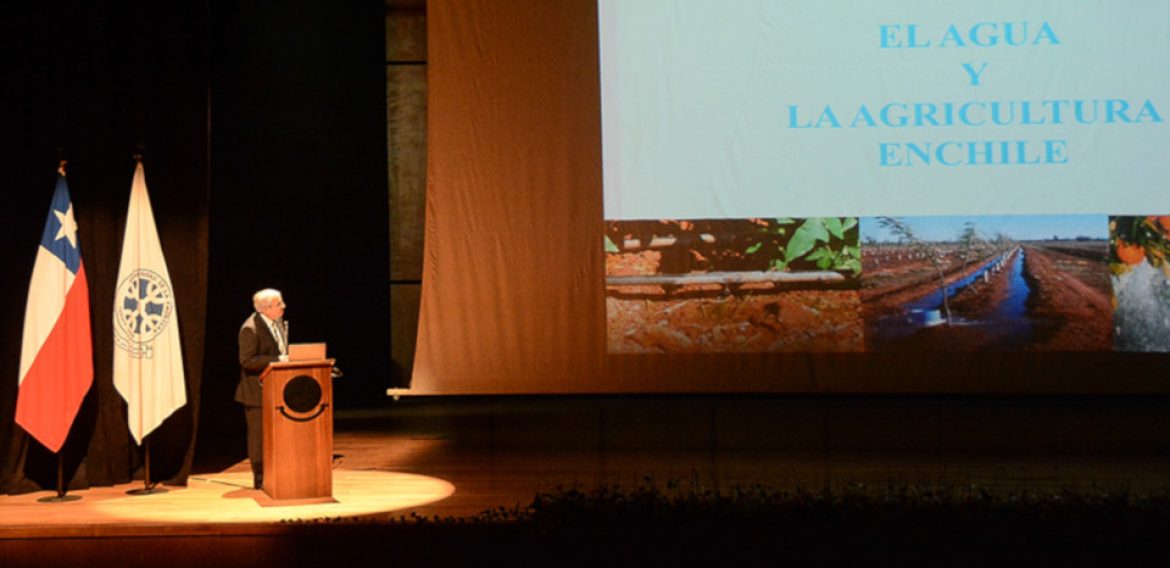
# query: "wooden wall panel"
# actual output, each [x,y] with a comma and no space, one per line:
[406,33]
[406,123]
[406,105]
[403,331]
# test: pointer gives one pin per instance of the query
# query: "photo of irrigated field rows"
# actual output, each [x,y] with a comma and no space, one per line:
[887,284]
[962,284]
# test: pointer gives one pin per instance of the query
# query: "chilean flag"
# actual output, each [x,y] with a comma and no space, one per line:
[56,358]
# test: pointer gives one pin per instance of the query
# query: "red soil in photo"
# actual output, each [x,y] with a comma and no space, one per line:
[693,322]
[1071,299]
[899,278]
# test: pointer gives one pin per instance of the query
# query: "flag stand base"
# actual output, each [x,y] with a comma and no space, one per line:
[148,490]
[148,487]
[59,498]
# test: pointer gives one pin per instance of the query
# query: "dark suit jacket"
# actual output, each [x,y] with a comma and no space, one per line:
[257,349]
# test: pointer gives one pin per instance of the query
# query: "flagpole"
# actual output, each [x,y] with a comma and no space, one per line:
[148,487]
[60,497]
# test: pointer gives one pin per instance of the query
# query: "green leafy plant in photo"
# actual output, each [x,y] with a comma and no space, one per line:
[816,243]
[610,247]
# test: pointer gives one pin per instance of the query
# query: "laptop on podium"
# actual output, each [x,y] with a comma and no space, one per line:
[306,351]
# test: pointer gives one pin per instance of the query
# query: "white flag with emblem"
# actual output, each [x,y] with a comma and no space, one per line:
[148,359]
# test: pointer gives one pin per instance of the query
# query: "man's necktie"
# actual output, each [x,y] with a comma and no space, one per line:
[279,337]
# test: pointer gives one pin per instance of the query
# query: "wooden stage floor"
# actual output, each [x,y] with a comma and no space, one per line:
[457,461]
[444,460]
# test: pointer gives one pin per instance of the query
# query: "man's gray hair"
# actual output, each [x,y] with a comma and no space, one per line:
[265,297]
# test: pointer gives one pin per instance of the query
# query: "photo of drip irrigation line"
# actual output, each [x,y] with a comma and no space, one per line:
[733,285]
[986,283]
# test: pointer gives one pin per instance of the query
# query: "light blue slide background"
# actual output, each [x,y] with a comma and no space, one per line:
[697,97]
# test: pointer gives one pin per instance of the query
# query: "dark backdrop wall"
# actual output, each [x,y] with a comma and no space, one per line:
[262,133]
[299,192]
[95,86]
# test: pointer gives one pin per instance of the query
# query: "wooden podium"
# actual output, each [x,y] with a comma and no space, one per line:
[298,431]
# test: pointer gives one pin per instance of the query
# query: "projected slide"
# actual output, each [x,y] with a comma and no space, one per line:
[872,176]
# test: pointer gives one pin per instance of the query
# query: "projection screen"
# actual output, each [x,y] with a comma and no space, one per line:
[796,196]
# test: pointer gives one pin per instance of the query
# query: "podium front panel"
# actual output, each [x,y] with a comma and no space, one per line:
[298,430]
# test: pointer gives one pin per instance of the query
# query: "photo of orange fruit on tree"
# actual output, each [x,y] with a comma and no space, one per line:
[1139,251]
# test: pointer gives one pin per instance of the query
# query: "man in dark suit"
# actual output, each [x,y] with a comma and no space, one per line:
[263,340]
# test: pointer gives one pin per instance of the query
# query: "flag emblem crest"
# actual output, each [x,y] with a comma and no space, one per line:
[144,309]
